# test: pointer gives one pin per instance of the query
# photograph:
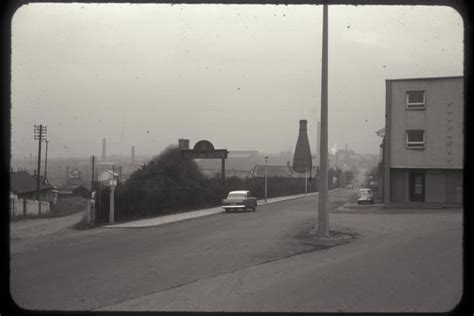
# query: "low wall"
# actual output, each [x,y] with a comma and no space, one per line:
[20,207]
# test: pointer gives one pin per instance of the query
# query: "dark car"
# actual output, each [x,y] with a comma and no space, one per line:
[239,200]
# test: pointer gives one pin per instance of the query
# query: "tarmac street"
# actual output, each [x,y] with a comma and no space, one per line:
[254,261]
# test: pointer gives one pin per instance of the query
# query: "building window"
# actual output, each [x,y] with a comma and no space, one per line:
[415,99]
[416,138]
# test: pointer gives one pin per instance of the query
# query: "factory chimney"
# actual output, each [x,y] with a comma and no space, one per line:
[302,160]
[183,143]
[133,154]
[104,157]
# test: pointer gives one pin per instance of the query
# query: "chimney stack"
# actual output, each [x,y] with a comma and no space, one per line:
[183,143]
[302,160]
[104,157]
[133,154]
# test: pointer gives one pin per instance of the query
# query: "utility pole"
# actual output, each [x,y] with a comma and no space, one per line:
[67,175]
[93,167]
[46,161]
[323,220]
[38,135]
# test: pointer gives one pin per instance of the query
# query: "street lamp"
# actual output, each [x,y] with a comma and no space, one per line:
[323,218]
[266,160]
[306,180]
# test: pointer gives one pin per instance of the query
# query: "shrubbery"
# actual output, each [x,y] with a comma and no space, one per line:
[171,183]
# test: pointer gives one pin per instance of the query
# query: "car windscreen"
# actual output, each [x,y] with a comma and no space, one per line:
[237,196]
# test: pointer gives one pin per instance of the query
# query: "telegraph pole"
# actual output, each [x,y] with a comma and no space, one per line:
[46,160]
[38,135]
[323,220]
[93,167]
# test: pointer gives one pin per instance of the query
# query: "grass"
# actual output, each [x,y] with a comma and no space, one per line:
[82,225]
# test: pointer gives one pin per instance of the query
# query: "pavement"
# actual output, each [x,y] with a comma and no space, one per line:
[37,227]
[161,220]
[351,206]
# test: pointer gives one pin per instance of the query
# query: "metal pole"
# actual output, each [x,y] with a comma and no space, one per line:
[306,181]
[93,167]
[112,210]
[223,169]
[323,221]
[266,159]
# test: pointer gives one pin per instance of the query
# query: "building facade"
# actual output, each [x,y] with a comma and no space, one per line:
[424,138]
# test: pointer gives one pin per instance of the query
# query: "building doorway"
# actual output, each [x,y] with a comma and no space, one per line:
[417,186]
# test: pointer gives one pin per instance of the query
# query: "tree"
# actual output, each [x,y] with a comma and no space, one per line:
[168,182]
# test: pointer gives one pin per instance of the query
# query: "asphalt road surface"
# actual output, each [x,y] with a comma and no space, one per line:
[255,261]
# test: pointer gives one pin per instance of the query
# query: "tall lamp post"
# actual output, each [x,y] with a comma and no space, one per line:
[266,160]
[306,181]
[323,221]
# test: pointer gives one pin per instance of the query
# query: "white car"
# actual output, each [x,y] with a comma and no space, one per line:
[365,195]
[239,200]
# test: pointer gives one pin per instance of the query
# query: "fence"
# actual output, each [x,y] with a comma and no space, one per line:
[22,207]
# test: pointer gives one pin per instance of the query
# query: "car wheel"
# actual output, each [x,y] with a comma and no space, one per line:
[254,209]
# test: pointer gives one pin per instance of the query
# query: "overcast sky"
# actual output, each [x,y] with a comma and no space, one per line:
[240,76]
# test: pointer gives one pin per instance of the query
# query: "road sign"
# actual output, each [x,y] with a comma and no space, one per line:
[113,182]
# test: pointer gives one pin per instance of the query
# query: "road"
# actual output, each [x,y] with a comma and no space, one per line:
[255,261]
[31,228]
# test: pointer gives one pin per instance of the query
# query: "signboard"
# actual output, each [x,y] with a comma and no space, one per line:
[113,182]
[204,149]
[216,154]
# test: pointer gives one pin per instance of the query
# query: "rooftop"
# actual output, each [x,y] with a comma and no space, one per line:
[23,182]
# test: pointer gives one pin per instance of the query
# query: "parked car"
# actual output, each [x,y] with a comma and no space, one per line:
[239,200]
[365,195]
[349,186]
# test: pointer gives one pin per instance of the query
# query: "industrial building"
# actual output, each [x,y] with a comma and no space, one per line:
[423,141]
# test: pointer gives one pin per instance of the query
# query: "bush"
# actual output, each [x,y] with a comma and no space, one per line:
[171,183]
[167,183]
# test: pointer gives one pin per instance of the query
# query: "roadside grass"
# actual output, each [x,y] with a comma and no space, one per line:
[68,206]
[82,225]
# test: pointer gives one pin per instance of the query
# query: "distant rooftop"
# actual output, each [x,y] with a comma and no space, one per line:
[23,182]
